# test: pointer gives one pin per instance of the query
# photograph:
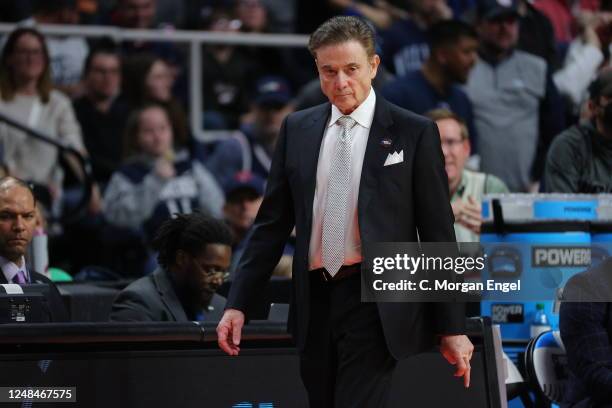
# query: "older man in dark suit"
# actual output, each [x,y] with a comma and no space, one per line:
[354,171]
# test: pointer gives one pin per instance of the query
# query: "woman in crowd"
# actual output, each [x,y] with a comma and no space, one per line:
[146,79]
[156,180]
[26,94]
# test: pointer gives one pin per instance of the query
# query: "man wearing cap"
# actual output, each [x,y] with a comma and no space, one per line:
[250,149]
[243,195]
[354,171]
[515,102]
[580,158]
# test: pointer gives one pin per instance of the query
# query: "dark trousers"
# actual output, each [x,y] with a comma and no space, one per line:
[345,362]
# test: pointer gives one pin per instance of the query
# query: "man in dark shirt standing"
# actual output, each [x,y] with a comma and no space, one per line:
[101,114]
[454,47]
[580,158]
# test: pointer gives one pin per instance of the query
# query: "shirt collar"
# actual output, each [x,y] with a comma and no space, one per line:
[10,269]
[364,114]
[461,187]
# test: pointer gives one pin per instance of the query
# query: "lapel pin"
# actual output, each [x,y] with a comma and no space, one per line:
[385,142]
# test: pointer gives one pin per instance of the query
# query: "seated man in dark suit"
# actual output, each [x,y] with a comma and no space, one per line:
[17,224]
[194,253]
[586,330]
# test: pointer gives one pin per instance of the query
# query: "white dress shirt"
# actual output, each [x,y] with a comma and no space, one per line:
[10,269]
[363,115]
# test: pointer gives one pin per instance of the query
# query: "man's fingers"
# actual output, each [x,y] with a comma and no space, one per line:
[461,367]
[222,332]
[236,332]
[466,375]
[464,370]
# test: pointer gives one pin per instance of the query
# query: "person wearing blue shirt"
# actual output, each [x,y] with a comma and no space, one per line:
[436,85]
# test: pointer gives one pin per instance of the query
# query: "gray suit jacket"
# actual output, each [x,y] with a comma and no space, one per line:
[153,298]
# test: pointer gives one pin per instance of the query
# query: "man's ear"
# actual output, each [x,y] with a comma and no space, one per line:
[374,63]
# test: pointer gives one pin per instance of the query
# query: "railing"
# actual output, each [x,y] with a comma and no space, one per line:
[195,40]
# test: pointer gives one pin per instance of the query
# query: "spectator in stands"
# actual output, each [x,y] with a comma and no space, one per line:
[18,221]
[228,75]
[536,34]
[466,187]
[584,57]
[580,158]
[100,111]
[453,46]
[243,196]
[405,42]
[67,53]
[134,13]
[560,15]
[516,105]
[156,181]
[585,326]
[140,14]
[146,79]
[251,148]
[27,95]
[194,256]
[371,11]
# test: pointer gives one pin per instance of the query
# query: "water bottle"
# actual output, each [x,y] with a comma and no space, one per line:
[540,322]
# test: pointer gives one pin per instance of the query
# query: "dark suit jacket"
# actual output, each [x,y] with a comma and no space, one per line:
[585,322]
[393,203]
[153,298]
[57,310]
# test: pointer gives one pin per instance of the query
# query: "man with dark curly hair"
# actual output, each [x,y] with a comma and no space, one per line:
[194,253]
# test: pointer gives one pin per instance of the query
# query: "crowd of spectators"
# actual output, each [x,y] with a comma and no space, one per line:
[503,79]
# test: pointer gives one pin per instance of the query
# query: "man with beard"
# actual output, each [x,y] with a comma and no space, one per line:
[194,253]
[435,85]
[580,158]
[517,109]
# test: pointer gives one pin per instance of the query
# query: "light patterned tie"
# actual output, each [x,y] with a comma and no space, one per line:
[334,218]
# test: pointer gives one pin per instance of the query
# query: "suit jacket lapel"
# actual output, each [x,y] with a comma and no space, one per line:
[311,138]
[375,156]
[168,295]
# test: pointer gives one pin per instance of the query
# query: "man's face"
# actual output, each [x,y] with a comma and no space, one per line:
[252,14]
[456,149]
[501,34]
[137,13]
[17,221]
[206,271]
[104,77]
[459,59]
[269,119]
[346,74]
[240,211]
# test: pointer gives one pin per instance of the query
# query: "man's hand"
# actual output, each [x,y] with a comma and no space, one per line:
[468,213]
[458,350]
[229,331]
[472,215]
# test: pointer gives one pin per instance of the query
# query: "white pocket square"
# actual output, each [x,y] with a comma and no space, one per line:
[395,158]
